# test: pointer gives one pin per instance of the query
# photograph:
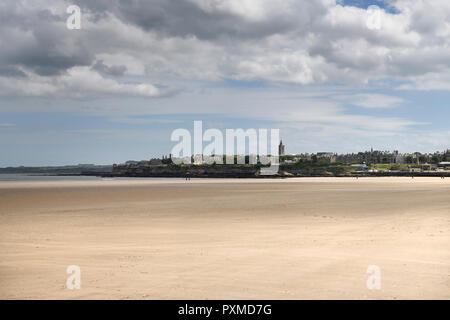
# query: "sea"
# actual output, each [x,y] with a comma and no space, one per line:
[37,177]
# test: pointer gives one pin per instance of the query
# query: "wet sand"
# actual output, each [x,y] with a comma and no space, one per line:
[310,238]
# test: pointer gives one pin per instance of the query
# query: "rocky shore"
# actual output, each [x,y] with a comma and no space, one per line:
[248,171]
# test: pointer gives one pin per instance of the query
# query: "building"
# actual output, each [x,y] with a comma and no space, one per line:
[444,164]
[281,151]
[326,156]
[155,162]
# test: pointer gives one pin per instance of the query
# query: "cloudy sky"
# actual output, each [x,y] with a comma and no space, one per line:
[136,70]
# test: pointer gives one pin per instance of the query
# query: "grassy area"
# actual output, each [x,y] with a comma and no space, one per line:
[391,167]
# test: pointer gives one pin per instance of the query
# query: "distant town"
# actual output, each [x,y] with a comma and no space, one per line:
[373,162]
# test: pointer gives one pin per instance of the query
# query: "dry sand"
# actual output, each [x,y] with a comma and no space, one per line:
[226,239]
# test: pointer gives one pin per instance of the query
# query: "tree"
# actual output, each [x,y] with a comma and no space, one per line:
[435,159]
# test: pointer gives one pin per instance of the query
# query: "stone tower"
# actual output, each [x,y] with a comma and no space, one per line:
[281,148]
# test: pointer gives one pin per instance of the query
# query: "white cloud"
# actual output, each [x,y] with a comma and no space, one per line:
[427,82]
[300,42]
[76,82]
[371,101]
[7,125]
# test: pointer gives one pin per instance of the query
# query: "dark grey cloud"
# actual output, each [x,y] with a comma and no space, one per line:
[116,71]
[186,18]
[32,41]
[11,71]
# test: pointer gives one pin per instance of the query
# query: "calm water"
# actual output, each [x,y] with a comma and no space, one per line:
[34,177]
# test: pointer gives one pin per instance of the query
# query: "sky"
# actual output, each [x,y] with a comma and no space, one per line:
[318,70]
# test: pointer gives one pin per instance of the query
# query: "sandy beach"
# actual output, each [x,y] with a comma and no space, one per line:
[306,238]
